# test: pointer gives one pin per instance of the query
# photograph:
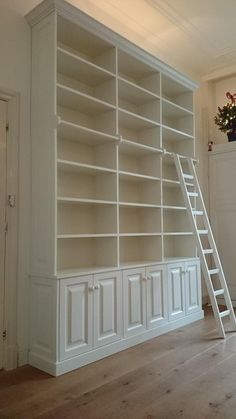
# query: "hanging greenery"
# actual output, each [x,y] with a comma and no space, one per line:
[226,116]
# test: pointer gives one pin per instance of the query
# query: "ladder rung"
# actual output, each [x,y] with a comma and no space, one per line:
[224,313]
[192,194]
[202,231]
[213,271]
[208,251]
[187,176]
[197,212]
[219,292]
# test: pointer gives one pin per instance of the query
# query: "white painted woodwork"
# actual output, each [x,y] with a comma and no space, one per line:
[43,148]
[176,284]
[3,220]
[193,286]
[108,215]
[44,331]
[222,172]
[156,289]
[76,319]
[134,296]
[107,308]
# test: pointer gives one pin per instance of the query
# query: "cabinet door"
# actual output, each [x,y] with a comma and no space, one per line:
[75,316]
[193,286]
[107,308]
[134,301]
[176,290]
[156,296]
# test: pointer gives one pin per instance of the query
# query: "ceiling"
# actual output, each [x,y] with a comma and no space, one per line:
[197,37]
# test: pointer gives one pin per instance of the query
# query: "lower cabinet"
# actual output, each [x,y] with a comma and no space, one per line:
[184,289]
[90,312]
[145,299]
[101,309]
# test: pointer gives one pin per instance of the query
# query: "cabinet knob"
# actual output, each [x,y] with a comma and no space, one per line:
[144,278]
[96,287]
[149,277]
[91,288]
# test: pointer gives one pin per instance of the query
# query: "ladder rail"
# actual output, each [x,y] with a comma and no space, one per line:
[192,214]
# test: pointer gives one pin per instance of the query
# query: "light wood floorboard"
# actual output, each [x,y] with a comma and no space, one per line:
[188,373]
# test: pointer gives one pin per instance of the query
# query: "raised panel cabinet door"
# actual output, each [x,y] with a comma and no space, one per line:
[193,286]
[134,297]
[107,308]
[76,305]
[157,313]
[176,291]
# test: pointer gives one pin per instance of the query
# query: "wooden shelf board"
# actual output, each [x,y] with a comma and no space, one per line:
[84,236]
[134,148]
[70,131]
[170,183]
[139,263]
[135,177]
[139,234]
[170,134]
[130,91]
[85,201]
[70,272]
[174,207]
[81,102]
[178,233]
[77,67]
[82,168]
[137,205]
[175,110]
[134,121]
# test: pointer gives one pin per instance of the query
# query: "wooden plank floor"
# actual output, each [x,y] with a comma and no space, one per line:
[188,373]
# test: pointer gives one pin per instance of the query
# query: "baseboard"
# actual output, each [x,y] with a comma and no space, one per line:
[67,365]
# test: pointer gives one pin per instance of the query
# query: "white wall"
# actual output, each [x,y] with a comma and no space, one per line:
[219,88]
[15,76]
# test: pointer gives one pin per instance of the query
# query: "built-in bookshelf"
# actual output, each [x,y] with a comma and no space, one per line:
[116,189]
[112,251]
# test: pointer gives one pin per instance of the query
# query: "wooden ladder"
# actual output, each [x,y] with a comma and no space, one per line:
[196,210]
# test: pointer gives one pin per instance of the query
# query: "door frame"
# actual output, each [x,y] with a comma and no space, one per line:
[10,352]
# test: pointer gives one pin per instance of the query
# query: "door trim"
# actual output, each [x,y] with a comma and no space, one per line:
[11,258]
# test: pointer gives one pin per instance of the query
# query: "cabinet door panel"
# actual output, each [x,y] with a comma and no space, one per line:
[193,286]
[107,308]
[75,316]
[176,291]
[134,301]
[156,296]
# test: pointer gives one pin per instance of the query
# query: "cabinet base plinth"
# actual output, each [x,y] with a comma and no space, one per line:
[62,367]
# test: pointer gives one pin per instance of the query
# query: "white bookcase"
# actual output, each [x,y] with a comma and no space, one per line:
[108,217]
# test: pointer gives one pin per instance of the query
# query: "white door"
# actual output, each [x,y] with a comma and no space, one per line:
[76,320]
[176,288]
[156,296]
[134,297]
[107,308]
[222,175]
[193,286]
[3,156]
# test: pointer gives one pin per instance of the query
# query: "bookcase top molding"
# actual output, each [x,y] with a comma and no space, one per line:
[73,14]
